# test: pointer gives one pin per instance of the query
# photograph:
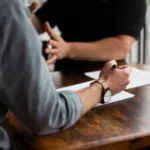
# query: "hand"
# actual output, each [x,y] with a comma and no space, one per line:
[51,64]
[60,48]
[116,79]
[33,6]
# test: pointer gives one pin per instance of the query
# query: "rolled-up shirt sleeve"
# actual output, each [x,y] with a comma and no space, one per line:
[26,84]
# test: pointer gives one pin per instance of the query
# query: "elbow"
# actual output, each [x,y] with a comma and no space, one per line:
[41,127]
[125,43]
[61,113]
[125,52]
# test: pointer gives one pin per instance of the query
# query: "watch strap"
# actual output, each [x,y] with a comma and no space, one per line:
[103,89]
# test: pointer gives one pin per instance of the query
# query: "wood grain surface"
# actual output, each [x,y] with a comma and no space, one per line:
[123,125]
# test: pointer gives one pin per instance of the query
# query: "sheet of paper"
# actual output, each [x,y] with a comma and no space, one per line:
[118,97]
[138,77]
[45,37]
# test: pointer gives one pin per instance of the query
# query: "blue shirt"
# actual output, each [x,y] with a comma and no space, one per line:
[26,86]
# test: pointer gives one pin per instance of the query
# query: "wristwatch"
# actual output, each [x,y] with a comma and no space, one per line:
[106,91]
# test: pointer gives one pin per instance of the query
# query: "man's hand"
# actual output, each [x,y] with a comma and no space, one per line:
[35,21]
[60,48]
[33,6]
[116,79]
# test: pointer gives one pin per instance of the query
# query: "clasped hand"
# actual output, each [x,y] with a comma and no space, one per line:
[116,79]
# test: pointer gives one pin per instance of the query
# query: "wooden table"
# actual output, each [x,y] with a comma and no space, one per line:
[120,126]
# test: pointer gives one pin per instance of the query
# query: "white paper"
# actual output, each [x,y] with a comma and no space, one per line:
[45,37]
[76,87]
[118,97]
[138,77]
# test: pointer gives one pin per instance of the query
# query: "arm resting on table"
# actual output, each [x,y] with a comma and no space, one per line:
[26,83]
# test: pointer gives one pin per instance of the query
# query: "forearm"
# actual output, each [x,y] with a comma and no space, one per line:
[102,50]
[90,97]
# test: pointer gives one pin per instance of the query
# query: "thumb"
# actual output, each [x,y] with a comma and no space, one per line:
[108,66]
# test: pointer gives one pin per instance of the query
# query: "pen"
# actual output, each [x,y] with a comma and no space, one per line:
[114,67]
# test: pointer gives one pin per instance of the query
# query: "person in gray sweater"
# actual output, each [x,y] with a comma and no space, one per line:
[26,86]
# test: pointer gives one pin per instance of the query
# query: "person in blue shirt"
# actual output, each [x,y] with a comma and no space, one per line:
[26,85]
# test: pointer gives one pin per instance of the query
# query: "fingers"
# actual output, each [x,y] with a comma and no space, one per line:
[126,82]
[51,32]
[127,71]
[53,43]
[116,89]
[108,66]
[48,28]
[33,6]
[51,67]
[51,51]
[52,60]
[112,62]
[122,67]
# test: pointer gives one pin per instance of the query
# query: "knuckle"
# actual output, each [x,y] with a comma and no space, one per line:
[126,73]
[111,63]
[107,65]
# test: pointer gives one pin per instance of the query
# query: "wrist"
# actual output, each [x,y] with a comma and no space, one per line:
[68,49]
[98,88]
[71,49]
[106,92]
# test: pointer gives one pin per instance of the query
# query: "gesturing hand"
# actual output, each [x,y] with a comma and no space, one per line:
[60,48]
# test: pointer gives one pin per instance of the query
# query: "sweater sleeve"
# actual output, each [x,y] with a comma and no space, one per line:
[26,83]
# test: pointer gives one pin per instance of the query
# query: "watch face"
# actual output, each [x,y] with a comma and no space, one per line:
[107,96]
